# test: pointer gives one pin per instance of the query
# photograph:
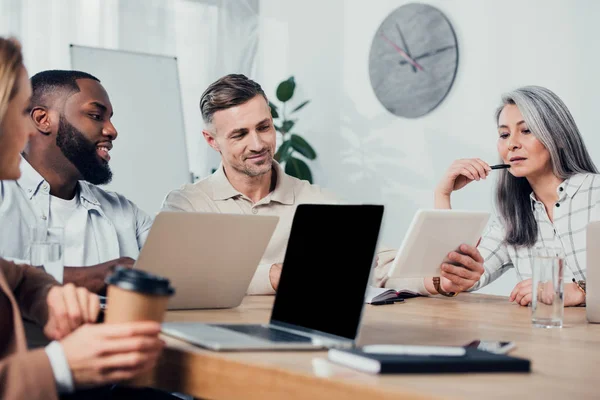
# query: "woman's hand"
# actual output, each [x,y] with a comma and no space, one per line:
[459,174]
[522,293]
[109,353]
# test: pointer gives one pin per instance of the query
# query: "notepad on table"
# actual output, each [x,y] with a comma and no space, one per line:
[416,360]
[374,294]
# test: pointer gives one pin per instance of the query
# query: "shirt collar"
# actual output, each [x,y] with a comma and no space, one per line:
[284,188]
[31,181]
[283,192]
[573,184]
[222,188]
[569,186]
[86,194]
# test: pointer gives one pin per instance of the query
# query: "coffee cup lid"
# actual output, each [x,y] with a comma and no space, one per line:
[140,281]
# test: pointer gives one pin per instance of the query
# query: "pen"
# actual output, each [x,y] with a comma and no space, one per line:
[415,350]
[382,302]
[500,166]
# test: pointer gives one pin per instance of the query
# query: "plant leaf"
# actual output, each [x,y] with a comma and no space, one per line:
[285,90]
[287,126]
[302,147]
[301,106]
[284,152]
[298,168]
[274,112]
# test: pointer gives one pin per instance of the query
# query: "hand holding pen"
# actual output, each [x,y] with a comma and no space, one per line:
[460,174]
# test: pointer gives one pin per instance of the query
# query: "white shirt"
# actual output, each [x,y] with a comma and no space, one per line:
[60,368]
[71,216]
[107,224]
[578,204]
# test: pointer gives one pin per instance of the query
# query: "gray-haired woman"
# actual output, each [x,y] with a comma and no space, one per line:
[546,198]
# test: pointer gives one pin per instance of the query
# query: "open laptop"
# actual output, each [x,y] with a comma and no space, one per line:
[321,291]
[209,258]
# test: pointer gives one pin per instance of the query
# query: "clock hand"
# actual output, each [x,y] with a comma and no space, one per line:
[429,53]
[403,53]
[405,45]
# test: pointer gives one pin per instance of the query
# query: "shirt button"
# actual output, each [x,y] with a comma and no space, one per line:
[561,188]
[44,217]
[557,204]
[254,211]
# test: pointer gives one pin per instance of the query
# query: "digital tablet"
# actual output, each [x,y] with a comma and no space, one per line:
[432,235]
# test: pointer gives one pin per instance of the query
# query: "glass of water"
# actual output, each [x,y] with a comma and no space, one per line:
[46,250]
[547,306]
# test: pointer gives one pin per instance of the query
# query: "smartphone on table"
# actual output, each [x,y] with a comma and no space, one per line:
[492,346]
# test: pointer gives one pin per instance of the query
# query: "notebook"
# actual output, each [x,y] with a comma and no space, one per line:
[375,294]
[456,360]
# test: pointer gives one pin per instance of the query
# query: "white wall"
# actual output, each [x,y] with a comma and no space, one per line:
[369,155]
[210,38]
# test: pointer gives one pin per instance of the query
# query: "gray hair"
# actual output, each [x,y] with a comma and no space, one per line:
[550,121]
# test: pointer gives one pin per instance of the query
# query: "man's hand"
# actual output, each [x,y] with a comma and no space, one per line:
[93,277]
[274,275]
[103,354]
[68,308]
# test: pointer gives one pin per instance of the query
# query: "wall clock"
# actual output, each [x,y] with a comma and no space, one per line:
[413,60]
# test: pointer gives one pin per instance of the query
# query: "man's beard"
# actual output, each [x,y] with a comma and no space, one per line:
[82,153]
[260,169]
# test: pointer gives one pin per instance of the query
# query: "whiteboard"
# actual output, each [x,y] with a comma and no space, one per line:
[149,157]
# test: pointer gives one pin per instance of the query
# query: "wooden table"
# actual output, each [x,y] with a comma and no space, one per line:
[565,362]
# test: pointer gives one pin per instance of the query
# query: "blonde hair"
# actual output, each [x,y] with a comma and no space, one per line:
[11,62]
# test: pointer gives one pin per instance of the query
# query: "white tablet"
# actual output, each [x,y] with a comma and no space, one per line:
[431,236]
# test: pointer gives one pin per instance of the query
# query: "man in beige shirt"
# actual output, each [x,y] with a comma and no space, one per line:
[239,126]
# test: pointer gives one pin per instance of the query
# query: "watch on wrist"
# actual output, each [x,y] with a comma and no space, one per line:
[438,287]
[581,286]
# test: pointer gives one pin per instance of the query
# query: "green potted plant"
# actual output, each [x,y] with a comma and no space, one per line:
[292,144]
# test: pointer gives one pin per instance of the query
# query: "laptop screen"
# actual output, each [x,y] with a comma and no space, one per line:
[326,267]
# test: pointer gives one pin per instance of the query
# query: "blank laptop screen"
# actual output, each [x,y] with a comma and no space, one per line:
[326,268]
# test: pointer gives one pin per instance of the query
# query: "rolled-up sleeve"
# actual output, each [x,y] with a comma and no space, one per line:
[494,251]
[143,223]
[385,259]
[176,201]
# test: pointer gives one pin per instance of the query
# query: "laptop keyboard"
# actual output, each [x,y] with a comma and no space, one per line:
[273,335]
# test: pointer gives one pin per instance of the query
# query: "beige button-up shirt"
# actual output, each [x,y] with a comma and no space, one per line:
[215,194]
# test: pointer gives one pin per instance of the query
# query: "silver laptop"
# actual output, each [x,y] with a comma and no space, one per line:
[209,258]
[321,292]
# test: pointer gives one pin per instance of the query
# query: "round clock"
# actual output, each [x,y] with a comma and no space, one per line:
[413,60]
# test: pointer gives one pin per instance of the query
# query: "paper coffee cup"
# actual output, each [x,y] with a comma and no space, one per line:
[135,295]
